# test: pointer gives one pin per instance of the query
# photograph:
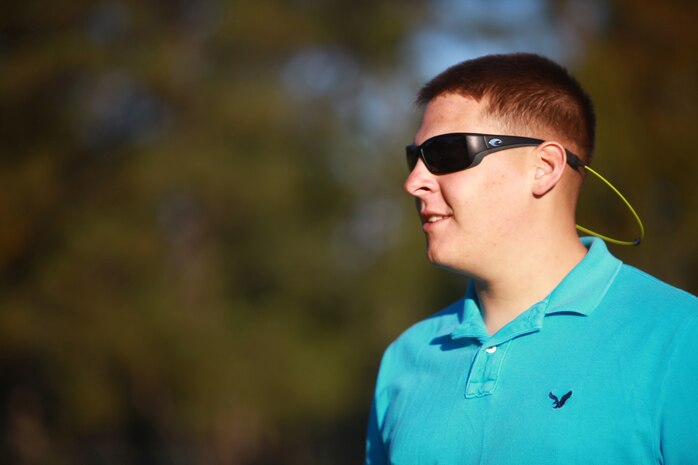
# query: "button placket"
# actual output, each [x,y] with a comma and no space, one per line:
[484,371]
[486,363]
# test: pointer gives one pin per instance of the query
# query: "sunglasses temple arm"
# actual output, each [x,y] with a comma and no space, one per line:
[573,160]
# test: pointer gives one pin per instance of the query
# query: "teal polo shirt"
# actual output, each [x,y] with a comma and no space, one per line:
[602,371]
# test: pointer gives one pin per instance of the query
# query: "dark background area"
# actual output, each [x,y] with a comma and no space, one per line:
[204,244]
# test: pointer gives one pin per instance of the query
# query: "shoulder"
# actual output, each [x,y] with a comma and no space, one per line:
[637,285]
[439,324]
[405,349]
[649,311]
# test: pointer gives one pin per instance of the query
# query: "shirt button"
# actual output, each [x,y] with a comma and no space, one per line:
[491,350]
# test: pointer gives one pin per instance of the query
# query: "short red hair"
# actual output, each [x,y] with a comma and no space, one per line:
[529,94]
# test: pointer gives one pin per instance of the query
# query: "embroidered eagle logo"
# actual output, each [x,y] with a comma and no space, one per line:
[559,403]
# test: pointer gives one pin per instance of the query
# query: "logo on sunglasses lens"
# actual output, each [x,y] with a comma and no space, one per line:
[494,142]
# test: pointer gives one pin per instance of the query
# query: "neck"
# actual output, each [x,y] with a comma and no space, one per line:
[526,277]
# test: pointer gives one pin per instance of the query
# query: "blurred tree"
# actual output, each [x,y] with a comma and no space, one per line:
[642,76]
[204,247]
[179,264]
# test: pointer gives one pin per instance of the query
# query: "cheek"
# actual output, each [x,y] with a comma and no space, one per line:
[487,194]
[510,202]
[493,192]
[496,204]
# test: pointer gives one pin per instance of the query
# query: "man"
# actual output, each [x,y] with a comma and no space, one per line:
[558,353]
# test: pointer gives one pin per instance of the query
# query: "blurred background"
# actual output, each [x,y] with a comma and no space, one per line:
[204,244]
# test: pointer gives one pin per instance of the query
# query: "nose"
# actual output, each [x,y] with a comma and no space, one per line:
[420,181]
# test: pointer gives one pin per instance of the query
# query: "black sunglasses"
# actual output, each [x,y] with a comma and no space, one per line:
[448,153]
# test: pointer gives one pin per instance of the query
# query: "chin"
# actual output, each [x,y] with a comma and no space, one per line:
[443,259]
[439,260]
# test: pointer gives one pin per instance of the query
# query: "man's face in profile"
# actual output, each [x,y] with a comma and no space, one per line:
[466,214]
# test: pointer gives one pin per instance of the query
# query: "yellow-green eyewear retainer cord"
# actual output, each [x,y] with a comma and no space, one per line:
[635,241]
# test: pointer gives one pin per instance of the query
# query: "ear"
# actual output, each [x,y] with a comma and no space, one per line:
[551,160]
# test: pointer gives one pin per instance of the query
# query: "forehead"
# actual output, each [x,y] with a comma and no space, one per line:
[453,113]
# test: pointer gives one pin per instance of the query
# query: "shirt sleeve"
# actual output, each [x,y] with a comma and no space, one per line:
[678,414]
[375,449]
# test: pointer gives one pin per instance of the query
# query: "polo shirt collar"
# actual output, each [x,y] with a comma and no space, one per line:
[587,284]
[580,292]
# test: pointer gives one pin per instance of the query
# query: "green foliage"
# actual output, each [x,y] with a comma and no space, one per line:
[204,247]
[172,232]
[642,79]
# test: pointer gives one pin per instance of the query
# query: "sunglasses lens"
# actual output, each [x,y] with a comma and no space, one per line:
[447,153]
[412,152]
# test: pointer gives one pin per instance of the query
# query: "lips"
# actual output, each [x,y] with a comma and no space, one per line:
[433,217]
